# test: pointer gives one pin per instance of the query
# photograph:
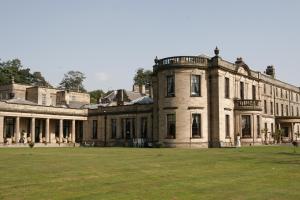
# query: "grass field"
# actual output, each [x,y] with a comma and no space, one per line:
[130,173]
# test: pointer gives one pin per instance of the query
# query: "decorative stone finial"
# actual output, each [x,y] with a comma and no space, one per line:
[217,51]
[156,60]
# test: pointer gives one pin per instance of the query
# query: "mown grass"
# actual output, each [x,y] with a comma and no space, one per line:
[130,173]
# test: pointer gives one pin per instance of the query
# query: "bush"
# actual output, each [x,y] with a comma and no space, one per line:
[31,144]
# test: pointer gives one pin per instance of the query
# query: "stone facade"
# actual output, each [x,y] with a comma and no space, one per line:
[193,101]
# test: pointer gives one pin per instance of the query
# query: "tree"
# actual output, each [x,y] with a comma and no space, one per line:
[14,68]
[73,81]
[96,95]
[142,77]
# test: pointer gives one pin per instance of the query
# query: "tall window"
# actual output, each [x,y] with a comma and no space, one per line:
[272,129]
[281,109]
[144,124]
[287,110]
[292,111]
[242,90]
[227,125]
[271,90]
[170,86]
[265,89]
[227,88]
[246,126]
[276,92]
[265,107]
[95,127]
[9,127]
[286,94]
[281,93]
[271,109]
[253,92]
[195,85]
[258,126]
[44,99]
[297,111]
[113,128]
[196,125]
[171,126]
[277,109]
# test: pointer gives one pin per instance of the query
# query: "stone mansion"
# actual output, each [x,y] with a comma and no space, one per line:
[193,101]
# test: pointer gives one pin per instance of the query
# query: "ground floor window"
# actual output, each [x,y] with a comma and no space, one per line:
[95,127]
[113,128]
[246,126]
[144,124]
[258,126]
[285,132]
[128,128]
[9,127]
[227,125]
[171,126]
[196,125]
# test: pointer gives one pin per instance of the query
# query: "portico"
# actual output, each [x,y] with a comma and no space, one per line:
[44,125]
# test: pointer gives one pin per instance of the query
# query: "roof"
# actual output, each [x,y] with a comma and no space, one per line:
[20,101]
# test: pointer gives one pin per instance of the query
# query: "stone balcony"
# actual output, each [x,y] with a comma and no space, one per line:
[247,104]
[181,61]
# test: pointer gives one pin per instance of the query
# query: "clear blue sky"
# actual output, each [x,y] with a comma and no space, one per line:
[109,40]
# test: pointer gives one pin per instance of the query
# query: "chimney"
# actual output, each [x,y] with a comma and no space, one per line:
[142,89]
[120,97]
[270,71]
[135,88]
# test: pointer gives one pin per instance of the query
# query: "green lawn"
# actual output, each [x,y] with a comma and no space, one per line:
[131,173]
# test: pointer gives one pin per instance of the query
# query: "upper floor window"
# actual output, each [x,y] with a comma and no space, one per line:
[227,87]
[265,89]
[277,109]
[171,126]
[281,93]
[253,92]
[196,85]
[271,109]
[44,99]
[271,90]
[171,86]
[286,94]
[276,91]
[265,107]
[287,110]
[281,109]
[242,90]
[196,125]
[297,111]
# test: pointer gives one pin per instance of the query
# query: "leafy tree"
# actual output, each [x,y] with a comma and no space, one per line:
[14,68]
[142,77]
[96,95]
[73,80]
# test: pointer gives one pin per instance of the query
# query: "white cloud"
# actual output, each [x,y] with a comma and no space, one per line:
[102,76]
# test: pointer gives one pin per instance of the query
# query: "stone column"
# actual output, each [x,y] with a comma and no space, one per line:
[1,129]
[61,123]
[41,131]
[73,131]
[33,129]
[17,129]
[47,134]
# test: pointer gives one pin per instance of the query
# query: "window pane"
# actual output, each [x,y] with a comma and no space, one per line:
[227,126]
[196,125]
[170,86]
[195,85]
[113,128]
[171,126]
[246,126]
[227,87]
